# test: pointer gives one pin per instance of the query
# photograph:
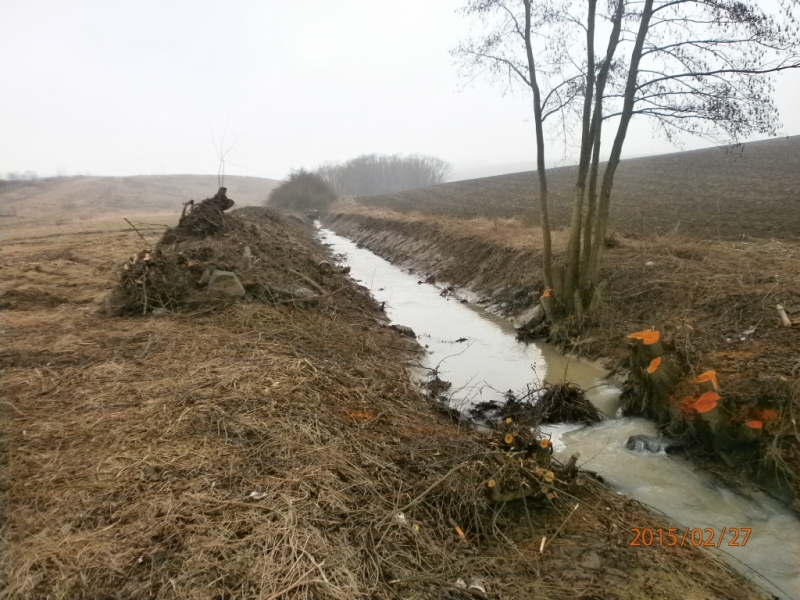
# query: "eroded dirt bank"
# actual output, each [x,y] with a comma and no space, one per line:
[713,302]
[270,449]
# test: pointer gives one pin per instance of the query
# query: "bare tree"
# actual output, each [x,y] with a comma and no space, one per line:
[222,153]
[507,53]
[699,67]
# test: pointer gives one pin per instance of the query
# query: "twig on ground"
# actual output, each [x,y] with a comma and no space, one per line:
[137,232]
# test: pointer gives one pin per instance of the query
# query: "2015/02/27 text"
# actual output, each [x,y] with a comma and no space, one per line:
[647,536]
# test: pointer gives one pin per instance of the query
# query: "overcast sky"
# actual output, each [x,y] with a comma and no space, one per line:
[127,87]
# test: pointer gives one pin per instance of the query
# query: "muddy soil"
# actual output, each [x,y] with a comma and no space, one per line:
[713,302]
[262,450]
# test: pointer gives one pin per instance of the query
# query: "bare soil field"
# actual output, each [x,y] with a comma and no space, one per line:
[271,450]
[69,200]
[714,303]
[751,192]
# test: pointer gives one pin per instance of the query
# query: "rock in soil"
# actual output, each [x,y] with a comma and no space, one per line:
[654,444]
[225,283]
[530,318]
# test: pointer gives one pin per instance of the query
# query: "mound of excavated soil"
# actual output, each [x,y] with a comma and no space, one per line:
[257,245]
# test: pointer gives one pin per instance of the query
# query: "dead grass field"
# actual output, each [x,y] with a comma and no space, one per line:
[71,200]
[704,194]
[131,448]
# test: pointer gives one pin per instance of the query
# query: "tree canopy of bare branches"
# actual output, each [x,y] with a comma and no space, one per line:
[698,67]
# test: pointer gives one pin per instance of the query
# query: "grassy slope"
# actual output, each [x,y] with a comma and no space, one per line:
[707,193]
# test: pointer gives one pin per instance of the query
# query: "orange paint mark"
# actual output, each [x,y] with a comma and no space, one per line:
[706,402]
[648,336]
[546,293]
[508,439]
[190,263]
[755,424]
[654,364]
[460,533]
[362,415]
[651,338]
[708,376]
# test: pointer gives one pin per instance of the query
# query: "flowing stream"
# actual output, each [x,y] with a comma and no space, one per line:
[478,353]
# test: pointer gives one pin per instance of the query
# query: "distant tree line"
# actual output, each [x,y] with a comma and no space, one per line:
[34,176]
[374,174]
[21,176]
[302,190]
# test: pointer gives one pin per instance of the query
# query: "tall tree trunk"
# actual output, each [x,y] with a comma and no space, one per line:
[597,130]
[616,150]
[547,244]
[571,280]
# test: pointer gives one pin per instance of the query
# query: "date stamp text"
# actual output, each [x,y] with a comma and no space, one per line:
[690,536]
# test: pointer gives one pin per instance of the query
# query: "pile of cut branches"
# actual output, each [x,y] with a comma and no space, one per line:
[557,403]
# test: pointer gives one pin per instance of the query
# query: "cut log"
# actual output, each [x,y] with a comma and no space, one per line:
[544,451]
[784,317]
[571,469]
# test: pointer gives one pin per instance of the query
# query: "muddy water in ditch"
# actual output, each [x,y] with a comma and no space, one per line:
[478,353]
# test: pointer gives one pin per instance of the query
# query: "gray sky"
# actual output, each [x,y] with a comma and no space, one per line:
[117,87]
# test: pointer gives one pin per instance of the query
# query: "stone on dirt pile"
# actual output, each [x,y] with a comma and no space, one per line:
[225,283]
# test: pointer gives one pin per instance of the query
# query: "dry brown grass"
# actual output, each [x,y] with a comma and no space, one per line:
[70,201]
[131,447]
[511,233]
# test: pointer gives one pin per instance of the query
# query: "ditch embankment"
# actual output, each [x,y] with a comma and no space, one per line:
[714,304]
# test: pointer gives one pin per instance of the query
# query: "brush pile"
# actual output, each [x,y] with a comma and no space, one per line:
[557,403]
[213,257]
[566,403]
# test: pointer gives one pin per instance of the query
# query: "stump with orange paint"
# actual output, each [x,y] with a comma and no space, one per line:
[653,376]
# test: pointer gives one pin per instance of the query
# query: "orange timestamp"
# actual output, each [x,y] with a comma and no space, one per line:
[690,536]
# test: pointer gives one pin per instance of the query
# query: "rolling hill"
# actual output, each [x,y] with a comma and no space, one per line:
[753,191]
[82,198]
